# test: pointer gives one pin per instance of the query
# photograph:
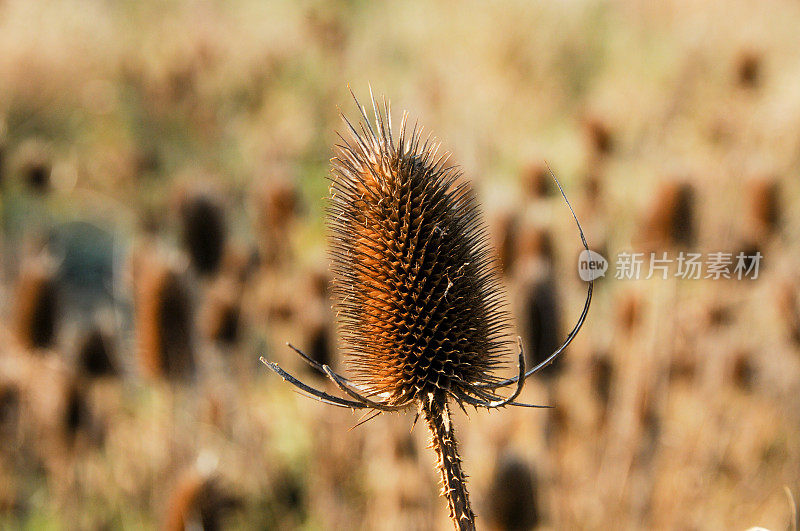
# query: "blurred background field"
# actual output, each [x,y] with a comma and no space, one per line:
[162,179]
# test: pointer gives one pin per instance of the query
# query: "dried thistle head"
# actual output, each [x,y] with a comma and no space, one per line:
[764,197]
[95,357]
[220,318]
[513,495]
[164,321]
[37,304]
[34,165]
[199,500]
[421,312]
[670,218]
[417,293]
[204,231]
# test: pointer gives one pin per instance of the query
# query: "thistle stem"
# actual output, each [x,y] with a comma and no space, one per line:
[454,482]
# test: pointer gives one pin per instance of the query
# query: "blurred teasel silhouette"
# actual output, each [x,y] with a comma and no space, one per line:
[37,304]
[421,311]
[203,231]
[164,321]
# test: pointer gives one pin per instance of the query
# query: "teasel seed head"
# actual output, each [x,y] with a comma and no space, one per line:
[164,321]
[417,293]
[34,165]
[421,311]
[95,356]
[541,311]
[204,231]
[37,304]
[764,197]
[514,495]
[671,216]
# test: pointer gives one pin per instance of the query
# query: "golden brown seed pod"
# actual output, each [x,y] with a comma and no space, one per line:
[204,231]
[536,182]
[198,502]
[541,320]
[748,69]
[764,197]
[599,136]
[629,312]
[419,301]
[34,165]
[10,416]
[36,305]
[163,321]
[533,242]
[95,358]
[670,217]
[220,315]
[276,201]
[505,229]
[513,497]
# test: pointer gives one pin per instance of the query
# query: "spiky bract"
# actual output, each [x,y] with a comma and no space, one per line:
[420,307]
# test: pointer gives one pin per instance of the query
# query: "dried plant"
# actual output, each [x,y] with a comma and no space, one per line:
[34,165]
[533,242]
[601,370]
[541,314]
[10,416]
[204,232]
[513,502]
[78,419]
[764,197]
[221,313]
[629,312]
[506,229]
[599,136]
[789,307]
[421,311]
[276,202]
[749,69]
[319,342]
[198,502]
[164,322]
[95,357]
[670,219]
[37,307]
[536,181]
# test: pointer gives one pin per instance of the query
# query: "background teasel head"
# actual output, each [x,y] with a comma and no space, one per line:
[37,303]
[421,311]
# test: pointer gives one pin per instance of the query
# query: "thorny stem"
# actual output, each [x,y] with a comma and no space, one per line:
[443,441]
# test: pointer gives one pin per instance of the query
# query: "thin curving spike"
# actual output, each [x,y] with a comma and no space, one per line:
[310,390]
[366,401]
[581,318]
